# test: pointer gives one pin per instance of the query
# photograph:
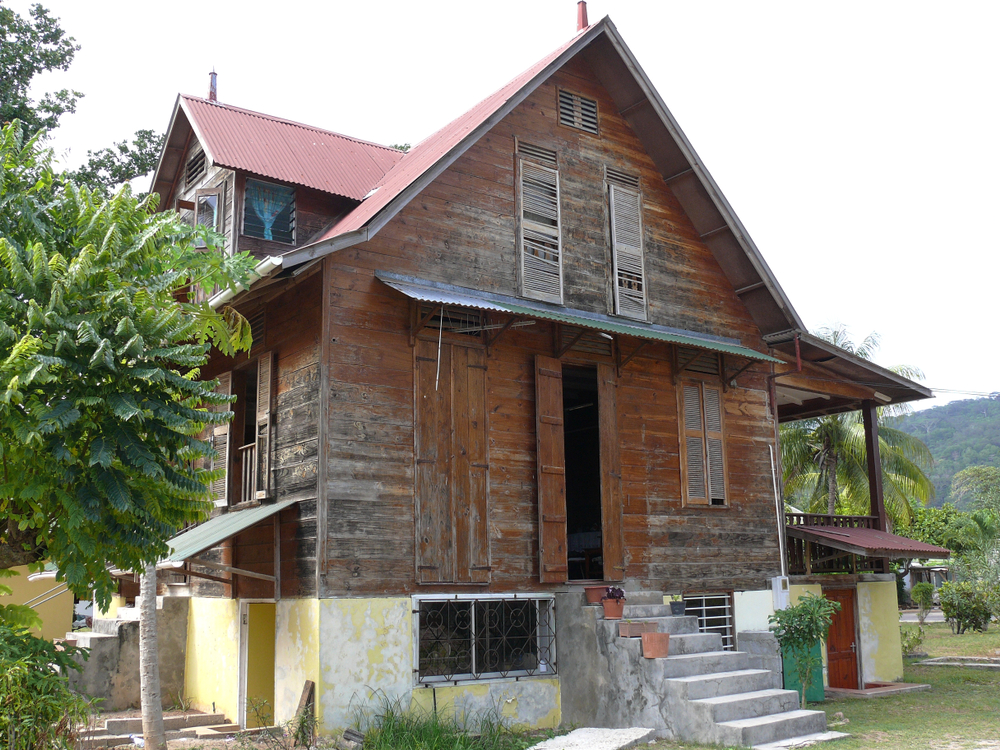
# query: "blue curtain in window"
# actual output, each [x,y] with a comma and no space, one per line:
[268,201]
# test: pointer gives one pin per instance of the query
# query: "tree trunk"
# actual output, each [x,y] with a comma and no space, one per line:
[831,481]
[149,664]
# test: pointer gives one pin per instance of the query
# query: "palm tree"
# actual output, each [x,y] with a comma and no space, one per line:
[825,463]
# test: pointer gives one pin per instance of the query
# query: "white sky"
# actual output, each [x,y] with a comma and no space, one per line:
[857,141]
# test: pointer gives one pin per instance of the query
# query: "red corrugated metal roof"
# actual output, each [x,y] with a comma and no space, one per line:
[868,542]
[432,149]
[289,151]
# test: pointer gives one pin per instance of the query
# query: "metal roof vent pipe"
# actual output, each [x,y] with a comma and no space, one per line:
[581,15]
[213,90]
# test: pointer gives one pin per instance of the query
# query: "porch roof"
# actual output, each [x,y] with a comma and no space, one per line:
[446,294]
[867,542]
[216,530]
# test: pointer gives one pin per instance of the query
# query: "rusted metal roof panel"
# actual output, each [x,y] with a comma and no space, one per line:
[867,542]
[289,151]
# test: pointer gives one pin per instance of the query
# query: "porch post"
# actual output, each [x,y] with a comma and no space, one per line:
[868,411]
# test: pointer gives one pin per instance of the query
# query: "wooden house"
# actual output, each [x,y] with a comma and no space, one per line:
[537,350]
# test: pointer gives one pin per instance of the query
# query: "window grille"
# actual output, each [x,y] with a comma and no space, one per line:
[578,112]
[484,638]
[714,613]
[195,169]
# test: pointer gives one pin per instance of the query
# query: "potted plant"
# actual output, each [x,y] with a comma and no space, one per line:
[629,629]
[655,645]
[677,605]
[614,603]
[594,593]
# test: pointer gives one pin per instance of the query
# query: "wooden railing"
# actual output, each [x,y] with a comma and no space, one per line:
[248,475]
[813,558]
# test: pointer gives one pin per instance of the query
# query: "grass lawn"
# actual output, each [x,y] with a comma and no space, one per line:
[939,640]
[960,712]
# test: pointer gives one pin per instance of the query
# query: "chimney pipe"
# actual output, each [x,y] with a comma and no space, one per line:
[213,92]
[581,15]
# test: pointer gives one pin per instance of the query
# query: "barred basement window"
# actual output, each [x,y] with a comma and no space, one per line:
[484,638]
[714,613]
[578,112]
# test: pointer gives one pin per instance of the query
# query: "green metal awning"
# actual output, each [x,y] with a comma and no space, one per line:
[216,530]
[443,294]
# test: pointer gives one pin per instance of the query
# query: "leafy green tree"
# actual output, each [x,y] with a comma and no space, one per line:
[923,595]
[28,47]
[825,463]
[938,526]
[100,348]
[966,605]
[121,162]
[799,628]
[980,485]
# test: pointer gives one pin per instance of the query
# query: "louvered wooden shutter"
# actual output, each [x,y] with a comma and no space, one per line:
[470,466]
[435,559]
[220,442]
[265,375]
[715,451]
[626,233]
[551,456]
[694,446]
[541,248]
[613,543]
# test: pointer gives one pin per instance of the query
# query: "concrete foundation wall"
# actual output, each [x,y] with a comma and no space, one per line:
[764,652]
[296,653]
[878,621]
[751,609]
[212,661]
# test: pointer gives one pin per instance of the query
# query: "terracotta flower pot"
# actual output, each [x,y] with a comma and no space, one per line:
[635,629]
[613,608]
[594,593]
[655,645]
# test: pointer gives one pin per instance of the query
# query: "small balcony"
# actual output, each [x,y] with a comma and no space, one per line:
[807,557]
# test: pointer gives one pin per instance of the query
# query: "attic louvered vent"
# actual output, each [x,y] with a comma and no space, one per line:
[540,240]
[454,320]
[257,328]
[698,360]
[577,112]
[621,179]
[195,169]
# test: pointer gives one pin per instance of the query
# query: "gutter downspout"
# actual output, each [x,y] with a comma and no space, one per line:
[263,269]
[776,469]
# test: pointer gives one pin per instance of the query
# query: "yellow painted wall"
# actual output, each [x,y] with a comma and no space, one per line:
[56,614]
[296,653]
[878,621]
[117,602]
[796,592]
[527,704]
[211,667]
[260,664]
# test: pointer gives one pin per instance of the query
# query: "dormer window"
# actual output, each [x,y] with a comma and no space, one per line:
[269,212]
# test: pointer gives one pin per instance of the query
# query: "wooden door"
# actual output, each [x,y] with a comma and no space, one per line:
[552,561]
[841,645]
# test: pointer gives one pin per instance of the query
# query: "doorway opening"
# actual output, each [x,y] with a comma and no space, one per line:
[257,657]
[582,435]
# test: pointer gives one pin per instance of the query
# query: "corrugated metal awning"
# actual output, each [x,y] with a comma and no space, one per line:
[867,542]
[443,294]
[216,530]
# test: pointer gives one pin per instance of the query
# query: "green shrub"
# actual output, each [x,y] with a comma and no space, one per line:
[965,605]
[910,640]
[799,628]
[923,596]
[38,710]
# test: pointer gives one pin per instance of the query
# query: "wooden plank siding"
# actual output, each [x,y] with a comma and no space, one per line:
[292,327]
[461,230]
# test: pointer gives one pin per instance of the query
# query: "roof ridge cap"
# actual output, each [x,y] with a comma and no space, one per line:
[286,121]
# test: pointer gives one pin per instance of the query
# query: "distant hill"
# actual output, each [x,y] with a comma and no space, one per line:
[959,435]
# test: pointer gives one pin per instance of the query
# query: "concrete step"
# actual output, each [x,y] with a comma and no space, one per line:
[103,740]
[186,721]
[706,663]
[644,597]
[672,625]
[635,611]
[87,640]
[721,683]
[681,644]
[105,626]
[760,730]
[724,708]
[217,731]
[803,741]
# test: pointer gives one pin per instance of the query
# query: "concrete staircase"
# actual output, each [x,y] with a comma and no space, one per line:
[117,732]
[699,693]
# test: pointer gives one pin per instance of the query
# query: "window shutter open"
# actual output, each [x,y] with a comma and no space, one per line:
[265,374]
[551,455]
[541,250]
[626,234]
[714,444]
[612,534]
[694,446]
[220,442]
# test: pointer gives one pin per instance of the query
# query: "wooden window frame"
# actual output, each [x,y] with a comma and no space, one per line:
[294,217]
[523,224]
[219,192]
[705,435]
